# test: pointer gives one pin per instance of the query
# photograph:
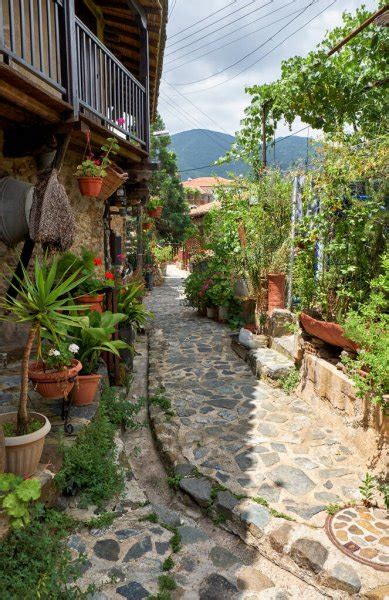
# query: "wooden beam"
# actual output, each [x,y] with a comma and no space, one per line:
[16,96]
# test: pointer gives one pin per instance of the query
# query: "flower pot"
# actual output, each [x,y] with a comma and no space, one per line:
[95,302]
[276,291]
[53,384]
[84,391]
[211,312]
[250,327]
[332,333]
[90,186]
[147,226]
[156,213]
[23,452]
[223,314]
[241,288]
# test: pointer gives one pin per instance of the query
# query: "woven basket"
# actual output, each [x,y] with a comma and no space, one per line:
[112,181]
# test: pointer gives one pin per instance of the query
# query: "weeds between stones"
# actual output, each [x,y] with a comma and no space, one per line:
[152,518]
[168,564]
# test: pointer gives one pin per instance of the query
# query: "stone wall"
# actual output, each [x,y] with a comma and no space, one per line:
[88,213]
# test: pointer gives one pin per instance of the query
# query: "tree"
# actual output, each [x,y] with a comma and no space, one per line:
[344,92]
[166,185]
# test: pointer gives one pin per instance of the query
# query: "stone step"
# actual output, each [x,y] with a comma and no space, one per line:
[285,345]
[265,362]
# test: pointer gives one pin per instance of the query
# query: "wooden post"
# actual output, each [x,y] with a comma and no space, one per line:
[2,451]
[139,240]
[69,58]
[264,152]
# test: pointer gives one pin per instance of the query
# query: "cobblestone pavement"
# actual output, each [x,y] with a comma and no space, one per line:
[153,528]
[265,461]
[252,437]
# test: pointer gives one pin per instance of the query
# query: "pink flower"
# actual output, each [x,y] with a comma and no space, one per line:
[121,257]
[121,121]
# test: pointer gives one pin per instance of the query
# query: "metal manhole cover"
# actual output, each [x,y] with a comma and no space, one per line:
[363,534]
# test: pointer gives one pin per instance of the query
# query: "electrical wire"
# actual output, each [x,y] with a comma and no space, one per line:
[264,55]
[240,60]
[195,105]
[172,8]
[202,20]
[218,28]
[229,35]
[205,132]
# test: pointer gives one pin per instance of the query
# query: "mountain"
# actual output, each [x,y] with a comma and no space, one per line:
[197,148]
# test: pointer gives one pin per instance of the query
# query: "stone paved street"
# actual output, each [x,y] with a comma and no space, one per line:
[250,436]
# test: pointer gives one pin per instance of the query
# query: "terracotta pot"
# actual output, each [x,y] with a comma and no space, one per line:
[23,452]
[276,292]
[332,333]
[156,213]
[223,314]
[211,312]
[53,384]
[147,226]
[250,327]
[90,186]
[84,391]
[95,301]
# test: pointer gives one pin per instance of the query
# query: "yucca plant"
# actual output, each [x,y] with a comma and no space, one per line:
[43,303]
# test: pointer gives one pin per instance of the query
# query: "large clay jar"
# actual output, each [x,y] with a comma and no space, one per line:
[23,452]
[84,391]
[94,302]
[329,332]
[276,293]
[53,384]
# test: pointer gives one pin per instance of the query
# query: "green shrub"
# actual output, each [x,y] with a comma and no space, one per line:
[120,411]
[35,562]
[89,467]
[290,382]
[16,496]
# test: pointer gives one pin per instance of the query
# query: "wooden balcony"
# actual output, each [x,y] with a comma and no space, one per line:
[50,58]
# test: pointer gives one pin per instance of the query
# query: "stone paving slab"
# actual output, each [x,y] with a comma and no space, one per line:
[247,435]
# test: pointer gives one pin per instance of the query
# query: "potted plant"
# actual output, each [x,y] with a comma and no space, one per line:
[155,207]
[91,171]
[93,337]
[95,278]
[221,294]
[54,375]
[130,304]
[41,302]
[147,224]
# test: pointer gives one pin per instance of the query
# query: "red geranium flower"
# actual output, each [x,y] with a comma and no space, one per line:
[109,275]
[97,262]
[97,162]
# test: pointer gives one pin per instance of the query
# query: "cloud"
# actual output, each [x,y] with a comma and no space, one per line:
[225,103]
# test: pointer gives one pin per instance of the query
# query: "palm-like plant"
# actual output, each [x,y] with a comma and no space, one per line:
[43,303]
[93,336]
[129,303]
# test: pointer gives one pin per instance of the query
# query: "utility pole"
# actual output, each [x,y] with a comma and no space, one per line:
[264,153]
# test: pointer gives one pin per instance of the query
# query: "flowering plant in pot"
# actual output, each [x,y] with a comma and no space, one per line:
[54,375]
[155,207]
[147,224]
[41,301]
[95,278]
[94,336]
[91,171]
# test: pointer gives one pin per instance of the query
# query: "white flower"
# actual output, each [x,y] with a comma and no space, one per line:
[54,352]
[73,348]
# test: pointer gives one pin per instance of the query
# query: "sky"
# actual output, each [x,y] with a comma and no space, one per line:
[241,27]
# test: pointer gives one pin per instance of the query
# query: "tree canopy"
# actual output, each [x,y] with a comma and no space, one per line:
[166,185]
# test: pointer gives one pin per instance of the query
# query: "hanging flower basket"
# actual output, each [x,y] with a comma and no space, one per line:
[90,186]
[156,213]
[112,181]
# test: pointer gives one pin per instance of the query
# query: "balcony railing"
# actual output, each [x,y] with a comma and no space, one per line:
[39,35]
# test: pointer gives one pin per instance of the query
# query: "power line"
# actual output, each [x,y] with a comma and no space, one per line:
[250,53]
[229,35]
[264,55]
[218,28]
[233,41]
[194,105]
[171,102]
[172,8]
[202,20]
[212,23]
